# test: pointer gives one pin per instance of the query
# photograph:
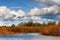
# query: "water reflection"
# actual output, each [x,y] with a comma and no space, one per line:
[28,37]
[16,37]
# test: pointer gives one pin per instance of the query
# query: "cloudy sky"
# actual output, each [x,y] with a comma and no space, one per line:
[15,11]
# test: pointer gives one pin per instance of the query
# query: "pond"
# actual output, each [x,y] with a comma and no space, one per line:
[30,36]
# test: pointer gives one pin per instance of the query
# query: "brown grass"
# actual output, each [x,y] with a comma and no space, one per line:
[45,30]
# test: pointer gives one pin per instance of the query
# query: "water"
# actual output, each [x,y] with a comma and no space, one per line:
[32,36]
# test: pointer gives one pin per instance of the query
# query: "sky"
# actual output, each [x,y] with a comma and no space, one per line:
[15,11]
[25,5]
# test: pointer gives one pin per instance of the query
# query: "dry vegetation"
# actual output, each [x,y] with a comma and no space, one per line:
[30,27]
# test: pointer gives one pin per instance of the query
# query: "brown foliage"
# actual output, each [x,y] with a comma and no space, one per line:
[43,29]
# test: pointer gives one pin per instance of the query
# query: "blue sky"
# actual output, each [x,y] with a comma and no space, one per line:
[25,5]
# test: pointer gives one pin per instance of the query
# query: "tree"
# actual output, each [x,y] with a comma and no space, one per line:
[51,23]
[13,25]
[20,24]
[30,23]
[3,26]
[44,24]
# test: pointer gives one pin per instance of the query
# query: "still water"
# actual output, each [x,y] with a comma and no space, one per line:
[32,36]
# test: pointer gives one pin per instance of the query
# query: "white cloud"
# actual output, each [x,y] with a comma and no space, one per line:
[33,11]
[41,20]
[47,10]
[21,13]
[37,19]
[1,23]
[8,23]
[6,13]
[49,2]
